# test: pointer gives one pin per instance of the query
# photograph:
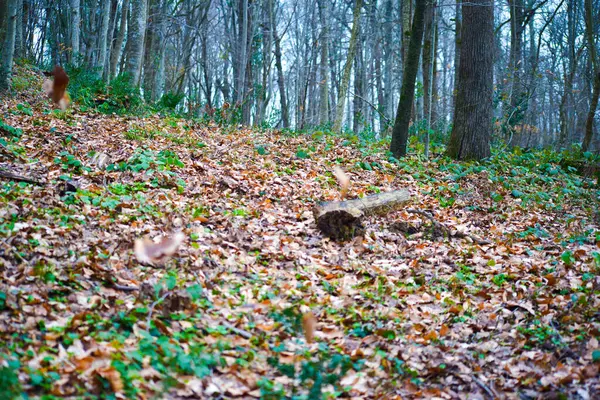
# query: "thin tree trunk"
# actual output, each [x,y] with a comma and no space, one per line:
[75,31]
[243,43]
[589,30]
[341,102]
[388,62]
[160,36]
[323,68]
[104,24]
[19,44]
[457,40]
[411,66]
[472,127]
[406,12]
[357,102]
[285,114]
[118,45]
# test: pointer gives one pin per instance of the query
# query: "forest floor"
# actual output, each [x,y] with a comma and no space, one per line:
[404,311]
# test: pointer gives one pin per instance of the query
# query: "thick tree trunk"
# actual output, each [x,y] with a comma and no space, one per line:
[472,127]
[411,67]
[342,219]
[8,46]
[137,32]
[341,102]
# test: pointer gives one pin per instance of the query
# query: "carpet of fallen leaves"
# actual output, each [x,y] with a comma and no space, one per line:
[251,300]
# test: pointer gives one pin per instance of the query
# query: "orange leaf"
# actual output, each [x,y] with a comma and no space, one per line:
[444,330]
[309,323]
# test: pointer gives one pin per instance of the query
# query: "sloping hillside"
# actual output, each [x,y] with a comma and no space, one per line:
[498,295]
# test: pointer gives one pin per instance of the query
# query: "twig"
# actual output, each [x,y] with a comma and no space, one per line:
[241,332]
[125,288]
[430,218]
[447,230]
[485,388]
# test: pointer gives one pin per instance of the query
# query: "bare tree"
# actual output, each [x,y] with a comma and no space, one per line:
[117,46]
[411,65]
[341,102]
[589,30]
[104,44]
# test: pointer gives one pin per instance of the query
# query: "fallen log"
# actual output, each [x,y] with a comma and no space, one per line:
[343,219]
[4,174]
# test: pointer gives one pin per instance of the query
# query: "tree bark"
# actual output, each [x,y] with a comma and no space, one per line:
[285,114]
[118,45]
[472,127]
[8,46]
[19,44]
[341,102]
[137,32]
[407,95]
[323,64]
[103,48]
[406,11]
[342,219]
[388,61]
[457,41]
[75,31]
[589,30]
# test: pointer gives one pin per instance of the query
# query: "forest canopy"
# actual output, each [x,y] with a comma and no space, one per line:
[304,64]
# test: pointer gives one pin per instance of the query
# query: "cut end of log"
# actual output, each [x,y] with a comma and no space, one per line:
[338,223]
[342,220]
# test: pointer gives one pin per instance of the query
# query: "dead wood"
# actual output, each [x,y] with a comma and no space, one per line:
[343,219]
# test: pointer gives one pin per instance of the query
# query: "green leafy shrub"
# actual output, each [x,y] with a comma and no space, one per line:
[123,97]
[85,86]
[9,131]
[120,96]
[10,387]
[170,100]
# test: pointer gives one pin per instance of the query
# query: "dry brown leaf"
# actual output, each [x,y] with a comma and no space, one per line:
[309,324]
[113,377]
[148,251]
[343,180]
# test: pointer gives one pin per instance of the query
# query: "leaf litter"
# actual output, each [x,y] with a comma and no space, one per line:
[188,265]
